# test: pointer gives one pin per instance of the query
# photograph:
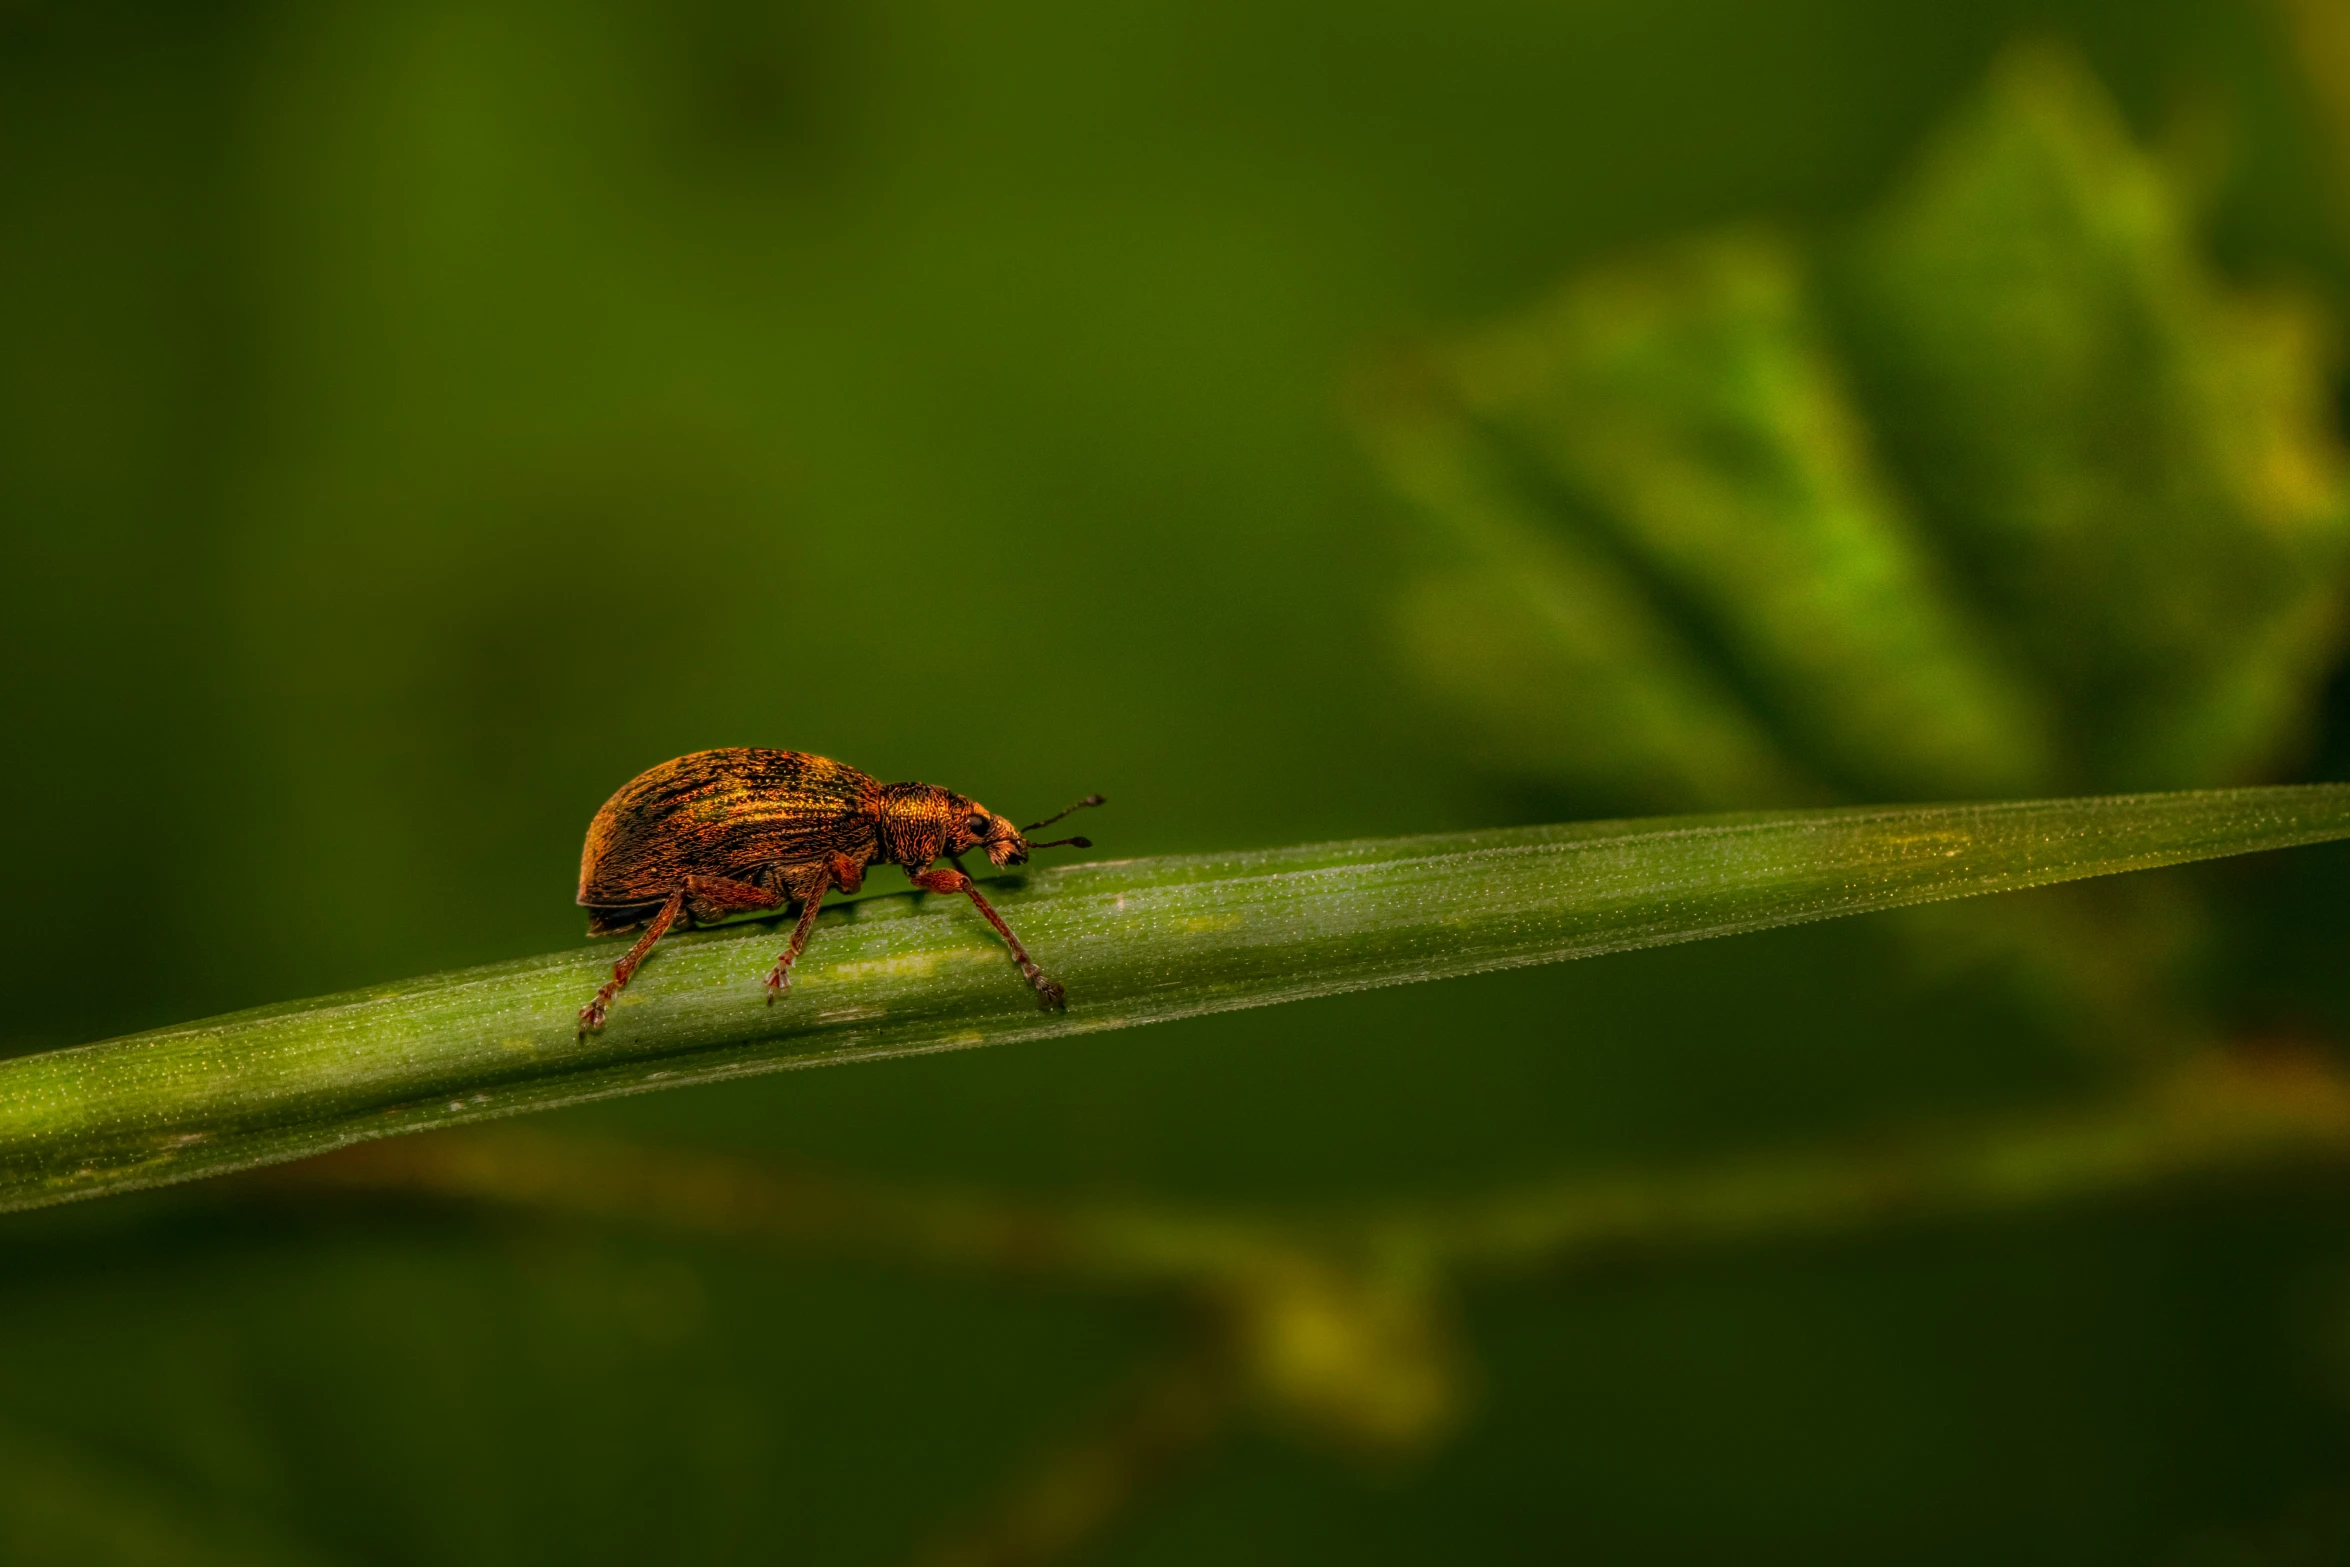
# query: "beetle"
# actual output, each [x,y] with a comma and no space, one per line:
[733,831]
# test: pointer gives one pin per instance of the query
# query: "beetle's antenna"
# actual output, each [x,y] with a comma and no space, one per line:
[1091,799]
[1082,843]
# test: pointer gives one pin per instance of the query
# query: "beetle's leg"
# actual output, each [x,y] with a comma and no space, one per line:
[705,898]
[591,1016]
[1049,994]
[810,892]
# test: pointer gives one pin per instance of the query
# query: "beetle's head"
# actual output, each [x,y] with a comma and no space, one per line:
[974,826]
[971,825]
[920,822]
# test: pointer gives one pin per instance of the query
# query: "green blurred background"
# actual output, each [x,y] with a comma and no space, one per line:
[419,419]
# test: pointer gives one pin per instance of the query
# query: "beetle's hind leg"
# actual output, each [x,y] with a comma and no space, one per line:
[704,898]
[591,1016]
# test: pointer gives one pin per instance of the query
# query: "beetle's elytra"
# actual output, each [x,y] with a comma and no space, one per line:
[727,832]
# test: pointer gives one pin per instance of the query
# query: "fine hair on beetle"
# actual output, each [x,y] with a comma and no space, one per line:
[744,830]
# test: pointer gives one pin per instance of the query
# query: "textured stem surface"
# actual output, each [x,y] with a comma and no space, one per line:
[1135,941]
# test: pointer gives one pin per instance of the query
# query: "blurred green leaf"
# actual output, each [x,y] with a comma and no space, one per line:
[1688,411]
[2135,464]
[2050,506]
[1540,641]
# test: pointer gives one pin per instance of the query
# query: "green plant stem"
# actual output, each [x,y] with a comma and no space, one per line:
[2210,1115]
[1136,941]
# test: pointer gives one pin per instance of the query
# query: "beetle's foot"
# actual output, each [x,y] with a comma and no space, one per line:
[778,980]
[1050,997]
[591,1016]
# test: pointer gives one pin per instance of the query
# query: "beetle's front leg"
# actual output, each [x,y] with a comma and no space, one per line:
[1049,994]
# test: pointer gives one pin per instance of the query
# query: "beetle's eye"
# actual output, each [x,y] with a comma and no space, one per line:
[976,826]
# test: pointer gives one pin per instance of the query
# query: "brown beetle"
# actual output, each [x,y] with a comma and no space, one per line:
[728,832]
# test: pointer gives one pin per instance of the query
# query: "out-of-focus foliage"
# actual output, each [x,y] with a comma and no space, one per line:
[2086,533]
[2134,466]
[1684,418]
[419,419]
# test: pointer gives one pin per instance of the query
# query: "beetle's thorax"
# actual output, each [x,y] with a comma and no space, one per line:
[917,822]
[920,822]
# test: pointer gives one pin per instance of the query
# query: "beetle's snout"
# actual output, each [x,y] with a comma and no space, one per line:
[1003,842]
